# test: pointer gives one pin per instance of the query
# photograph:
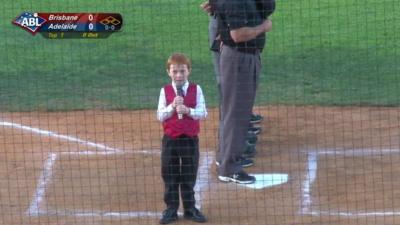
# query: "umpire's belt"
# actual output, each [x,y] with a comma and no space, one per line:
[249,50]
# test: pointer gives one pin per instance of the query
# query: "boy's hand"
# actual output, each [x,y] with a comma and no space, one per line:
[182,109]
[178,100]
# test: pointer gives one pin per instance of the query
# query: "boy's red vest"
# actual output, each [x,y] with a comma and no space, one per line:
[174,127]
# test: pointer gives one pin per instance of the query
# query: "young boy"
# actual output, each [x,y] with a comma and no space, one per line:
[181,105]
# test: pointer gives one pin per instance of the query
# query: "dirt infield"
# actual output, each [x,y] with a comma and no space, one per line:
[103,167]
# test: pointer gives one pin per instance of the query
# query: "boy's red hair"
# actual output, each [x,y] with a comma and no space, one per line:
[180,59]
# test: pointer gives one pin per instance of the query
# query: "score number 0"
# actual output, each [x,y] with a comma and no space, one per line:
[90,17]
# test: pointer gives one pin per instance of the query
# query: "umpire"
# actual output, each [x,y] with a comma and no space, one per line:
[242,25]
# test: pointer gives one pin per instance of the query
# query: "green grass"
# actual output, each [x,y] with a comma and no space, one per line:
[341,52]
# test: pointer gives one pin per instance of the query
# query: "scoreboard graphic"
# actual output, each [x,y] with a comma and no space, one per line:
[70,25]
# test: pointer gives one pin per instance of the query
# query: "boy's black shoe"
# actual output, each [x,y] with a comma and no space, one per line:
[240,177]
[250,151]
[254,130]
[256,118]
[195,215]
[169,216]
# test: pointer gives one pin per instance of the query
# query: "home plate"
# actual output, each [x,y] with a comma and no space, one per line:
[267,180]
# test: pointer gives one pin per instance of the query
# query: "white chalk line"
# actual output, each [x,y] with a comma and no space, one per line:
[44,179]
[357,152]
[203,178]
[145,152]
[94,213]
[59,136]
[312,165]
[311,174]
[351,214]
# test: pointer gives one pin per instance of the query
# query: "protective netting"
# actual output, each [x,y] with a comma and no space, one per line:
[80,142]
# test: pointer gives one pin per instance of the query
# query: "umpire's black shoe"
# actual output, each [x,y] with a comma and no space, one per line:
[195,215]
[248,143]
[240,178]
[251,137]
[169,216]
[254,130]
[244,162]
[256,118]
[250,151]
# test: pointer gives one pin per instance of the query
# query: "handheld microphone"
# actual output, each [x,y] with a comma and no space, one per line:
[179,92]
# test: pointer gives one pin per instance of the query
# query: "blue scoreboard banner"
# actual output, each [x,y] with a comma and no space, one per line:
[70,25]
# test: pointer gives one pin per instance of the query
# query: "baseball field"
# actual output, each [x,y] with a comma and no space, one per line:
[80,143]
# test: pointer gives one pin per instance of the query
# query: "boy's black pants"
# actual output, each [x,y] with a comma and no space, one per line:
[179,164]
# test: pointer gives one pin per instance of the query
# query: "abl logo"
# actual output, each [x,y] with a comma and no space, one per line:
[29,21]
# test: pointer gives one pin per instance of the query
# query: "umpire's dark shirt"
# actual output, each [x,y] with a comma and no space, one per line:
[235,14]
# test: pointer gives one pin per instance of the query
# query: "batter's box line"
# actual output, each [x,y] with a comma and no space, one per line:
[47,174]
[96,213]
[52,134]
[311,175]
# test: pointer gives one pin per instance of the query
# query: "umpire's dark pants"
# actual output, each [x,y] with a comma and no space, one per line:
[179,164]
[239,74]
